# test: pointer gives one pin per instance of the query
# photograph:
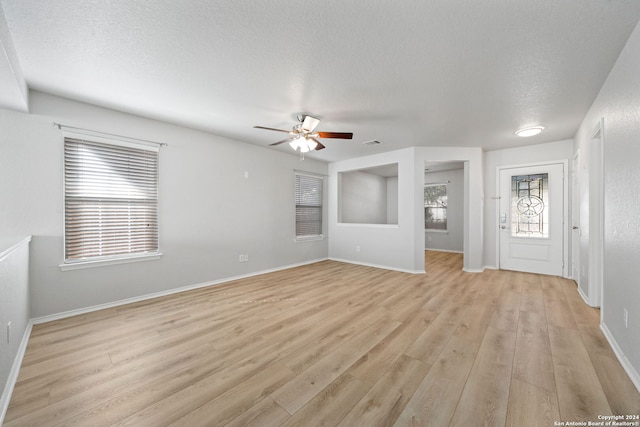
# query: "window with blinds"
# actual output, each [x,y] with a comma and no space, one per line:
[111,200]
[308,205]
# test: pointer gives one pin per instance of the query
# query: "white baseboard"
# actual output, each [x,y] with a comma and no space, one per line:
[444,250]
[13,374]
[584,297]
[70,313]
[473,270]
[629,369]
[384,267]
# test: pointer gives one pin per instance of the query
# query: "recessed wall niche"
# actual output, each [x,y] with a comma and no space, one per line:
[369,195]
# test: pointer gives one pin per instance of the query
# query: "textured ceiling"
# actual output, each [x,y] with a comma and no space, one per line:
[410,73]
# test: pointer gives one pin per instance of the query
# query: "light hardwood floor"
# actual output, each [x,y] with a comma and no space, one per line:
[331,344]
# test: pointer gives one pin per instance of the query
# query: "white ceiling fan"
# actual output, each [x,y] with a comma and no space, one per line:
[303,135]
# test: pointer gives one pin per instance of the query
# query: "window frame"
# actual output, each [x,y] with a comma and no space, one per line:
[309,237]
[120,258]
[446,207]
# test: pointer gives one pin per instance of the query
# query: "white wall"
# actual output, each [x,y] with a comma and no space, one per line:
[209,212]
[14,309]
[392,200]
[401,246]
[561,150]
[618,103]
[453,238]
[382,245]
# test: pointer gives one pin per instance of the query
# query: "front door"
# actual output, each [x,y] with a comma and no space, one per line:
[531,219]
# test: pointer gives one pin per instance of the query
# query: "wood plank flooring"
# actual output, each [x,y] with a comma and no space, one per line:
[331,344]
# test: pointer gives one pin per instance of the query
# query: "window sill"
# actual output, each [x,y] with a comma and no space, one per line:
[111,261]
[366,225]
[309,238]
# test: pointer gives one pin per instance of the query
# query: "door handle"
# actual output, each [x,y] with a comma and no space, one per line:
[503,227]
[575,227]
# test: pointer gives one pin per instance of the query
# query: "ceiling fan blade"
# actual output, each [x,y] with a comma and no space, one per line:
[341,135]
[320,146]
[278,130]
[310,123]
[280,142]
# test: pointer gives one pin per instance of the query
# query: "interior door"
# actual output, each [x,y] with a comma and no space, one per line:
[531,219]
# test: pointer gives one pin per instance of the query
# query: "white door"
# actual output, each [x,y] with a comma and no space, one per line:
[531,219]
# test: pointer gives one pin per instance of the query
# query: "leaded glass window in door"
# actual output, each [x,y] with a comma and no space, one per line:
[530,206]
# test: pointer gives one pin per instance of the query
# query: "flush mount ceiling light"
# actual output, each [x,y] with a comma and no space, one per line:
[530,131]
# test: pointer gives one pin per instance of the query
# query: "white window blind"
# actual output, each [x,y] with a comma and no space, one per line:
[111,200]
[308,205]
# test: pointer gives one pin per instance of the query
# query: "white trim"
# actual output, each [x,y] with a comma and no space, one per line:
[626,365]
[359,224]
[583,296]
[575,214]
[70,313]
[473,270]
[444,250]
[13,373]
[490,267]
[303,239]
[105,138]
[12,246]
[111,261]
[595,171]
[384,267]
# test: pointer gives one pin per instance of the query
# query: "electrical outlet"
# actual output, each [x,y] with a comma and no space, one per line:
[626,317]
[358,248]
[9,332]
[243,258]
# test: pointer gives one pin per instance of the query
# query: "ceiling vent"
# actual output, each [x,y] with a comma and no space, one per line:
[372,142]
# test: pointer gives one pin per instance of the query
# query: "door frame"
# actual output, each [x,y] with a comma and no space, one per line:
[596,216]
[575,215]
[565,208]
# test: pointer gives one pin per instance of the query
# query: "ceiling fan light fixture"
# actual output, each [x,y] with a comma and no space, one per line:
[530,131]
[294,144]
[304,148]
[303,144]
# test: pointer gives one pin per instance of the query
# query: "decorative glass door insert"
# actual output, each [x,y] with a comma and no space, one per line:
[530,206]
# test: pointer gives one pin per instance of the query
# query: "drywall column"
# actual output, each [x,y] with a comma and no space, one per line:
[14,313]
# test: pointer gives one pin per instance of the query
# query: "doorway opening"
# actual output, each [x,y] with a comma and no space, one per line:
[444,209]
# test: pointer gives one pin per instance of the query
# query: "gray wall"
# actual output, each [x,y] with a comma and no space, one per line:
[452,239]
[209,212]
[618,103]
[364,198]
